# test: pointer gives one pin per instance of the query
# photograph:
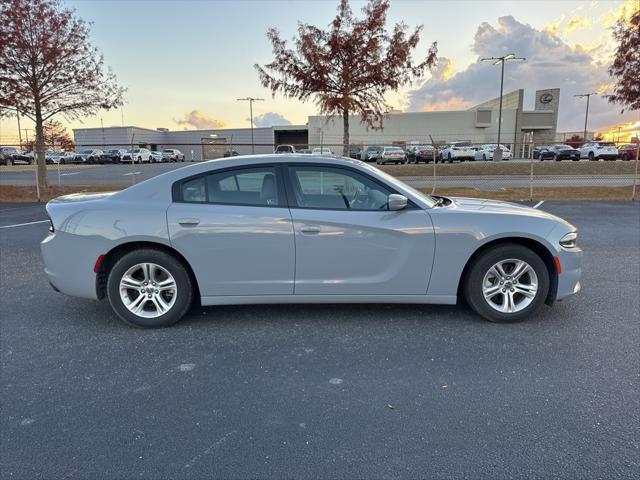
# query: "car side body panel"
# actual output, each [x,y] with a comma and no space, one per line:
[235,250]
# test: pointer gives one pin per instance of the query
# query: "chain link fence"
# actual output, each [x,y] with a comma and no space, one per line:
[526,171]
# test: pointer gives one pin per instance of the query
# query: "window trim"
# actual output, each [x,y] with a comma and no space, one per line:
[176,188]
[293,203]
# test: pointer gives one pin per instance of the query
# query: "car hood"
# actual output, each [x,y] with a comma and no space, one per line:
[496,206]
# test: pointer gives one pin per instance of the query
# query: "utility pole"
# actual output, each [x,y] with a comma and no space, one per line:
[103,139]
[586,115]
[19,129]
[251,100]
[497,153]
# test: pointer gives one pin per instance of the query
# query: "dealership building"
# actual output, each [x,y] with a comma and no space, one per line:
[478,124]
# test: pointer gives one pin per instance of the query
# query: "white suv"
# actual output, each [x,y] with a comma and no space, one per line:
[137,155]
[172,155]
[485,152]
[599,150]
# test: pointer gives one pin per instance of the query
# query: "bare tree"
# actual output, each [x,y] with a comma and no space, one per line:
[49,67]
[349,67]
[626,64]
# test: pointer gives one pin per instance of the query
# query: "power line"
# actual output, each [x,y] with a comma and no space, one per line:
[251,100]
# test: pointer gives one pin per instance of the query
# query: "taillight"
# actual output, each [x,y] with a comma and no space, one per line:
[51,229]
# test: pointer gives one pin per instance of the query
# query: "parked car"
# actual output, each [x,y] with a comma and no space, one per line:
[599,151]
[321,151]
[372,154]
[559,152]
[251,244]
[113,155]
[64,158]
[13,155]
[156,156]
[485,152]
[537,149]
[173,155]
[420,153]
[231,153]
[355,152]
[285,149]
[305,151]
[391,155]
[628,151]
[137,155]
[460,151]
[90,155]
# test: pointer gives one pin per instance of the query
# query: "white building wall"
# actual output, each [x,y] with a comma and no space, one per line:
[443,127]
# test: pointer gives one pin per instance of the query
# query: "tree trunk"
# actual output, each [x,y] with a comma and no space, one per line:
[41,166]
[345,132]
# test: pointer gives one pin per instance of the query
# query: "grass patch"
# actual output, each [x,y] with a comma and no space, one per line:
[20,194]
[513,168]
[542,193]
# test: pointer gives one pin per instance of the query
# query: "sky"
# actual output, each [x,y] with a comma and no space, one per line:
[185,63]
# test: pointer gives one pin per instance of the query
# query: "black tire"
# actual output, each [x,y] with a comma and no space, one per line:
[555,157]
[484,157]
[591,156]
[139,159]
[184,288]
[473,281]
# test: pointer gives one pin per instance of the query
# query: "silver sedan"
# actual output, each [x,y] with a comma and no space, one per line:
[302,229]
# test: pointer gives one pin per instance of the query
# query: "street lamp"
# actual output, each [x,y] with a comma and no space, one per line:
[251,100]
[497,153]
[586,115]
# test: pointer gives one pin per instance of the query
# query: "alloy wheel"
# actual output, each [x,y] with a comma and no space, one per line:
[509,286]
[148,290]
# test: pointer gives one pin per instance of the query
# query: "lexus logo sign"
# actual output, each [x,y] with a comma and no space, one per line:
[546,98]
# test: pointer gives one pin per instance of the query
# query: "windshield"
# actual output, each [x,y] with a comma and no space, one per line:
[86,151]
[428,199]
[393,149]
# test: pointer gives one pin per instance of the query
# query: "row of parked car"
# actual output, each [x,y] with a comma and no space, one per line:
[466,151]
[12,156]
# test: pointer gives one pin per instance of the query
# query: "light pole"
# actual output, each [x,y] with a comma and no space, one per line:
[497,153]
[251,100]
[586,115]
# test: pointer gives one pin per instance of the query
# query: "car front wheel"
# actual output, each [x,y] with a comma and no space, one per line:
[506,283]
[149,288]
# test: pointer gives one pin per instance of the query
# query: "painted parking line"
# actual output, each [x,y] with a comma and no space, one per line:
[71,173]
[538,204]
[132,173]
[23,224]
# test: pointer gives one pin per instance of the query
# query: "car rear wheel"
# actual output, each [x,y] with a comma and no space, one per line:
[506,283]
[592,157]
[150,289]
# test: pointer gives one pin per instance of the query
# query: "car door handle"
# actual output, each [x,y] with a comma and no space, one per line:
[188,222]
[310,229]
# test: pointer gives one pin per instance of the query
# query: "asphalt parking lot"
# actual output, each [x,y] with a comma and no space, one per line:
[382,391]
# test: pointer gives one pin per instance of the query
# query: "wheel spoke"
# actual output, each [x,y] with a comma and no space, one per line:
[500,270]
[129,282]
[528,291]
[492,291]
[146,270]
[519,269]
[137,305]
[160,304]
[168,284]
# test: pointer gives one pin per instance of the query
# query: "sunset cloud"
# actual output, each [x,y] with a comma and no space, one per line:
[551,62]
[577,22]
[269,119]
[198,120]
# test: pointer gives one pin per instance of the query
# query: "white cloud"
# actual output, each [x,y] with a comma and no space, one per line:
[199,121]
[269,119]
[550,63]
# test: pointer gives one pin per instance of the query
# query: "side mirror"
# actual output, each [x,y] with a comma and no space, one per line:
[397,202]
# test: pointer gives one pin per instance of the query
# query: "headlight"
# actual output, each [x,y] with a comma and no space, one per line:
[569,240]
